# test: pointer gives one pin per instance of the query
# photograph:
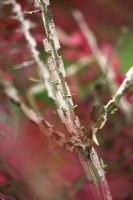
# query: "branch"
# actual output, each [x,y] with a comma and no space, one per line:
[64,102]
[95,173]
[45,127]
[25,27]
[106,67]
[65,106]
[113,104]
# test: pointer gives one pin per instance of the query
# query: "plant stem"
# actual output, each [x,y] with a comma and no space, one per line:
[64,102]
[25,27]
[113,104]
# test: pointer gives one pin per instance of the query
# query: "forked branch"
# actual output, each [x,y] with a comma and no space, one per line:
[64,102]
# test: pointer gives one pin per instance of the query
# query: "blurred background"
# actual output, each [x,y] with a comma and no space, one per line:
[32,166]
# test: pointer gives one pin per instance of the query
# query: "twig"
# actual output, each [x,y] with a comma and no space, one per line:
[24,64]
[112,105]
[106,67]
[32,12]
[25,26]
[63,96]
[45,127]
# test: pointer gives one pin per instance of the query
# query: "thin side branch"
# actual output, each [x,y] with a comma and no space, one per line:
[25,27]
[45,127]
[113,104]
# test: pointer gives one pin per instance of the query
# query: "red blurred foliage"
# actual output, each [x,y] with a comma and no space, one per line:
[78,46]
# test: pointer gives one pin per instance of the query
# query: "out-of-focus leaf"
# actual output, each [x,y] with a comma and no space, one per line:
[126,53]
